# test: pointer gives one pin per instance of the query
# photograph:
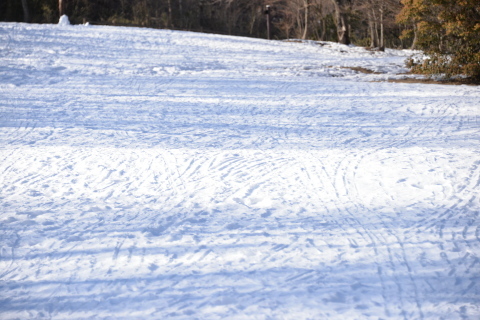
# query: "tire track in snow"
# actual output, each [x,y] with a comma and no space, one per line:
[21,132]
[381,242]
[376,238]
[340,181]
[255,179]
[463,196]
[345,179]
[419,129]
[404,235]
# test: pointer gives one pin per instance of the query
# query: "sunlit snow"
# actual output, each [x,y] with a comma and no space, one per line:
[155,174]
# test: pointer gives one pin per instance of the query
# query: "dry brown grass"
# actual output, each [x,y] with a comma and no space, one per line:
[454,82]
[361,70]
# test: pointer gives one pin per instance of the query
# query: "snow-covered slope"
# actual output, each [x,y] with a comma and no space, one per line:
[149,174]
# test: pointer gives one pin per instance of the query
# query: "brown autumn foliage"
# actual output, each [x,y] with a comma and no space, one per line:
[448,32]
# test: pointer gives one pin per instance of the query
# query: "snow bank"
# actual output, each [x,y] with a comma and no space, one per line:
[64,21]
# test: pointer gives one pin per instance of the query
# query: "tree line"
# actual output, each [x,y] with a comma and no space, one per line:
[364,22]
[446,29]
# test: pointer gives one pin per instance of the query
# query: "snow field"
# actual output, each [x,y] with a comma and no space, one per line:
[152,174]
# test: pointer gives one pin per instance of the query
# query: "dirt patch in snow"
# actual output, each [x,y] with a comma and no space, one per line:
[433,81]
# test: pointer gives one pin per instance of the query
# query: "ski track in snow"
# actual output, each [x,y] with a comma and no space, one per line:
[152,174]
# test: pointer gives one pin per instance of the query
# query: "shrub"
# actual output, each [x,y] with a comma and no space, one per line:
[448,32]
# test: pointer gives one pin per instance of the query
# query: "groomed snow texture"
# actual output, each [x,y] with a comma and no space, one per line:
[148,174]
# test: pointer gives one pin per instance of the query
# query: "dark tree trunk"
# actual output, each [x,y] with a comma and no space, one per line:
[382,31]
[26,12]
[323,37]
[373,34]
[415,37]
[61,7]
[343,29]
[305,31]
[341,21]
[170,19]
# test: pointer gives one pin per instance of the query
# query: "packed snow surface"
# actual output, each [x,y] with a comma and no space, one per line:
[149,174]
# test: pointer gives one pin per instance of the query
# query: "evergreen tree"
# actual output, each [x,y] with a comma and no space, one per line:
[448,31]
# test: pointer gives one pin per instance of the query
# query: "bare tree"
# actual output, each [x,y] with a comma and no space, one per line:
[342,11]
[292,17]
[26,12]
[61,7]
